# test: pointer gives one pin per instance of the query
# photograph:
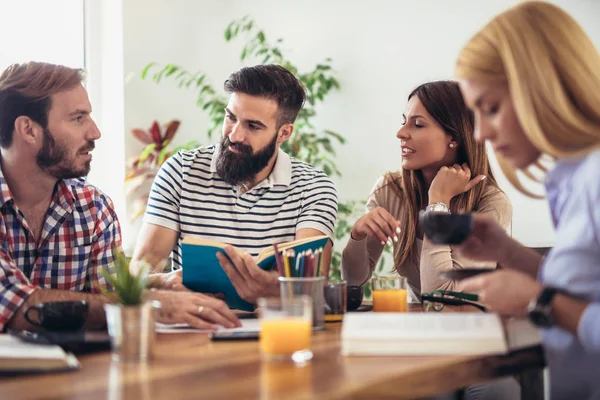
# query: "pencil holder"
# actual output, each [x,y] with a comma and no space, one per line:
[312,287]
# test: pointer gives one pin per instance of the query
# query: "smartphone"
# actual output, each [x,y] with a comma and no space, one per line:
[234,335]
[246,315]
[461,274]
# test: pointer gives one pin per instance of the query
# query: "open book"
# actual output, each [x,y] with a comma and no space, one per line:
[203,273]
[18,357]
[395,334]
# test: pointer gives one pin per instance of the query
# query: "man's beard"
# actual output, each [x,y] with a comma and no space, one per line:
[242,167]
[54,158]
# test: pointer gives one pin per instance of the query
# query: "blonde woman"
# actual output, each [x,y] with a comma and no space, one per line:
[532,78]
[444,169]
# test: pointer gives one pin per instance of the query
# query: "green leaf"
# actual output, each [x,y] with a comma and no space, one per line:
[127,288]
[367,292]
[336,135]
[170,69]
[228,32]
[146,153]
[146,69]
[261,37]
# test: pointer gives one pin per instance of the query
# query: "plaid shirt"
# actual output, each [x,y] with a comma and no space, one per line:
[76,242]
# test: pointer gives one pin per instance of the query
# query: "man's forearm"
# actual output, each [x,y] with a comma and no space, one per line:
[96,318]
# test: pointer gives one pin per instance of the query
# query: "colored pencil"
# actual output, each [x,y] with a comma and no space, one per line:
[286,266]
[298,260]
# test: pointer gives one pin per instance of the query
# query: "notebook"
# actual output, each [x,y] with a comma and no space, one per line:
[400,334]
[203,273]
[18,357]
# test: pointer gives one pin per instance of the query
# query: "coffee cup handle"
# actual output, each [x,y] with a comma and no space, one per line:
[37,308]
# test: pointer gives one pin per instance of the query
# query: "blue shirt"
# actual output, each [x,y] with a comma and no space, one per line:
[573,190]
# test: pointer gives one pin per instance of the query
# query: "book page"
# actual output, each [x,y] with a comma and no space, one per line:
[269,251]
[521,333]
[422,326]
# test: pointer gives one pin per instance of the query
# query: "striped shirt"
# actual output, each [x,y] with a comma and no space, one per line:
[189,197]
[76,242]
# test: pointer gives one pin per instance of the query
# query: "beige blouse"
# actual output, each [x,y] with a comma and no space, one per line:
[360,257]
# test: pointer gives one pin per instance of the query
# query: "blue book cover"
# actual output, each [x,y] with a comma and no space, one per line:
[203,273]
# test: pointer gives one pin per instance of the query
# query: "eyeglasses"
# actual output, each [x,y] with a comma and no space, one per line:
[436,300]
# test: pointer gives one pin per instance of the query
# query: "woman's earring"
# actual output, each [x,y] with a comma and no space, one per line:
[451,145]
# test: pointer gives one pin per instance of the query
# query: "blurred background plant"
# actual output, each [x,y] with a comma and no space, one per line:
[309,144]
[142,169]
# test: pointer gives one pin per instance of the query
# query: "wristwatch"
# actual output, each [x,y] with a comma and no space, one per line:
[539,310]
[438,207]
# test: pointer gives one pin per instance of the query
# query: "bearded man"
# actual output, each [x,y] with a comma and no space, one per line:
[245,191]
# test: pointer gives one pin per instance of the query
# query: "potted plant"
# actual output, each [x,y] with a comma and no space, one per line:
[130,318]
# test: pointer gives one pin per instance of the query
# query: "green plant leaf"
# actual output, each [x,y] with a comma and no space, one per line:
[146,153]
[170,70]
[146,69]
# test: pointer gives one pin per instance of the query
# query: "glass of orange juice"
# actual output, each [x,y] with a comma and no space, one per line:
[389,294]
[286,328]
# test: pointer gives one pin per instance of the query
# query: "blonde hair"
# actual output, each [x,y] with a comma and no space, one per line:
[553,73]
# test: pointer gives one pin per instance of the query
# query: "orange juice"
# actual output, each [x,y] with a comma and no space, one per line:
[285,336]
[390,300]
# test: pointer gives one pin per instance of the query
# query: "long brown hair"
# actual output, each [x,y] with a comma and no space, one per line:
[444,102]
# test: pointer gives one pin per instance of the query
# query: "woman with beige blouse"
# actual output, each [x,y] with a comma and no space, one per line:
[439,157]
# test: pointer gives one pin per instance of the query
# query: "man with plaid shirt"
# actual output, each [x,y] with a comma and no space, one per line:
[57,232]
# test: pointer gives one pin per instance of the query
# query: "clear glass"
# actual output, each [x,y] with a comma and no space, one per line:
[312,287]
[285,328]
[390,294]
[335,294]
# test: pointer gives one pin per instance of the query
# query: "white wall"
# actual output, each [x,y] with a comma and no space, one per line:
[42,31]
[381,49]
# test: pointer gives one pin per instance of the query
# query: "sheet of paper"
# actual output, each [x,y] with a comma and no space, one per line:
[248,325]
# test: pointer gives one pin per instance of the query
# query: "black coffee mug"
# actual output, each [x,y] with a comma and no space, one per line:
[59,316]
[355,297]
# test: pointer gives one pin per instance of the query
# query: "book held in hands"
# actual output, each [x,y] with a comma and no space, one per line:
[203,273]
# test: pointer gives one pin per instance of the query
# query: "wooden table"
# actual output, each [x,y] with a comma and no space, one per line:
[190,366]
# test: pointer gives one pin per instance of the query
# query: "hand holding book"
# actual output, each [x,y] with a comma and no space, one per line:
[204,271]
[248,279]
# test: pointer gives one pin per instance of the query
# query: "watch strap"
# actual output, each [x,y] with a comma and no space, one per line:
[437,206]
[546,295]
